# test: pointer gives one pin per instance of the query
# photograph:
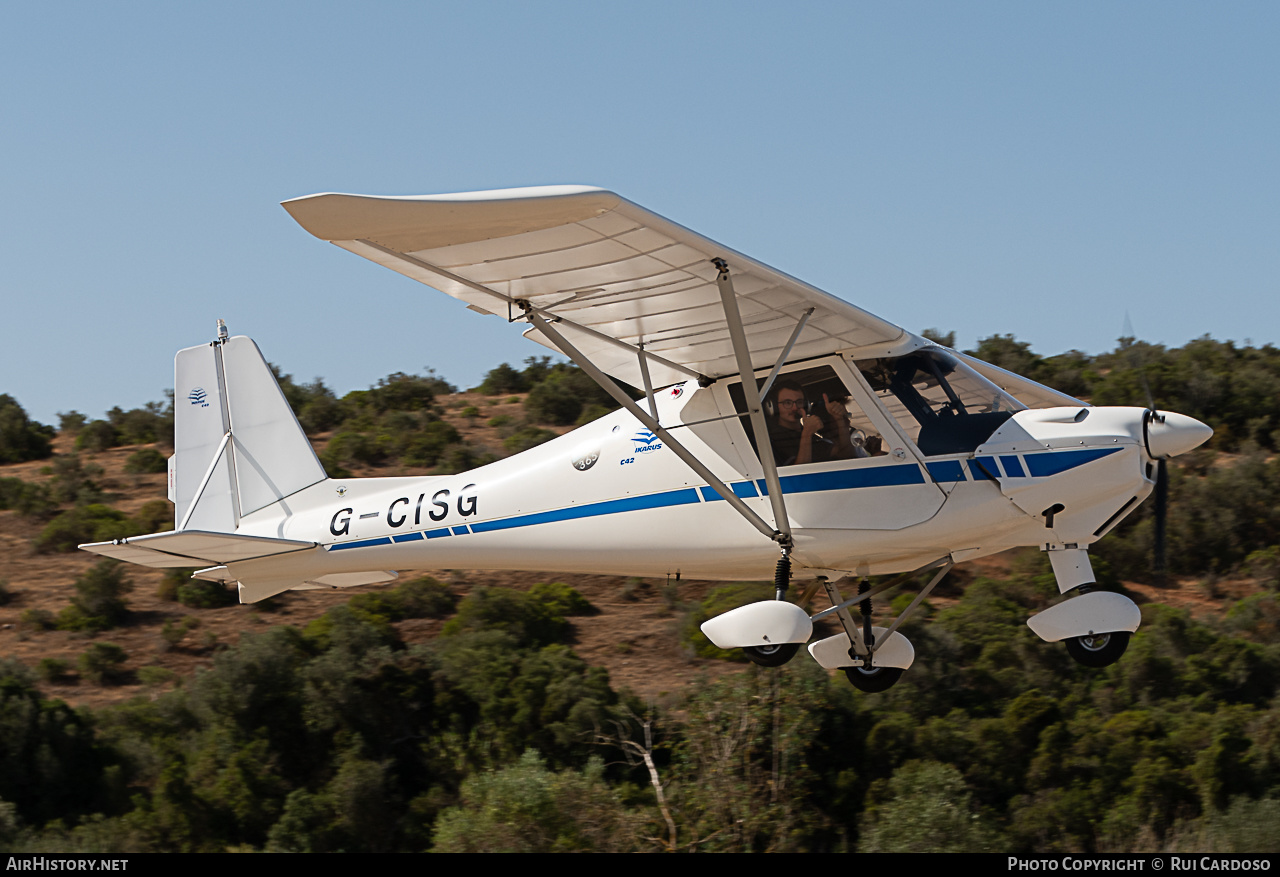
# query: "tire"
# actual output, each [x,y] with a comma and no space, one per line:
[874,680]
[1099,649]
[771,656]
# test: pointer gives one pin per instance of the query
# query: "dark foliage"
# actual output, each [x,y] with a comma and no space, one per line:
[21,438]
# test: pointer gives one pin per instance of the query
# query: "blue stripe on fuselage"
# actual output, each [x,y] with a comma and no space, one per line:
[1044,465]
[1038,465]
[593,509]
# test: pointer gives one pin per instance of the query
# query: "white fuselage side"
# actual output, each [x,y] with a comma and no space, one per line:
[610,498]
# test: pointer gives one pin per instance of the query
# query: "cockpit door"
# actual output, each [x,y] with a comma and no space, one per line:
[872,481]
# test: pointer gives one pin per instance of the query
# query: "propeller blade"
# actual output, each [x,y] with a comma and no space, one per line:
[1161,511]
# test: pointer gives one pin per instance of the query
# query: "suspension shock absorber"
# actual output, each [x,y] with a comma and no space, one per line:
[865,608]
[782,575]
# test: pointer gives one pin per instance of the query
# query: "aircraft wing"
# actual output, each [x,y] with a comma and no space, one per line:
[603,269]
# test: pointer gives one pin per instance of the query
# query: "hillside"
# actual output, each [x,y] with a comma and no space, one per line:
[635,635]
[503,711]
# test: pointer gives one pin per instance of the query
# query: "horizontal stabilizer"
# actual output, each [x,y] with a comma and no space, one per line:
[225,576]
[348,580]
[193,548]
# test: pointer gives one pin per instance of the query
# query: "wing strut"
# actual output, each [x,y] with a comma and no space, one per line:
[786,351]
[648,384]
[607,384]
[752,394]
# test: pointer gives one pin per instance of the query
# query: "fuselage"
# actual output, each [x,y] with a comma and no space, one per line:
[611,498]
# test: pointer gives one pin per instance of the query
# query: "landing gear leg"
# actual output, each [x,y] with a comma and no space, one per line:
[779,654]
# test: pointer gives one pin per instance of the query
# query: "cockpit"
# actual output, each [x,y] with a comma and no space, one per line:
[946,406]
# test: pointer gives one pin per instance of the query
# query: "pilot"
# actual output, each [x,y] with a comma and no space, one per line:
[797,436]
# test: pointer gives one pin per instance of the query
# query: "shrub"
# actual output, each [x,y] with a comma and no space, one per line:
[99,602]
[101,662]
[402,392]
[147,461]
[460,458]
[561,599]
[173,633]
[200,594]
[91,523]
[97,435]
[503,379]
[51,670]
[71,422]
[1265,564]
[154,517]
[27,499]
[419,598]
[536,618]
[426,446]
[21,438]
[590,414]
[74,481]
[154,676]
[527,437]
[553,401]
[38,619]
[169,582]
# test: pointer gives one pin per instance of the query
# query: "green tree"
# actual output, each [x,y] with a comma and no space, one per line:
[526,808]
[21,438]
[925,808]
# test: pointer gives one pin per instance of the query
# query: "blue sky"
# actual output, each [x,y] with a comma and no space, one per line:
[1040,169]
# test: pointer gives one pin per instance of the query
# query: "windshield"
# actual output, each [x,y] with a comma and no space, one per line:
[944,404]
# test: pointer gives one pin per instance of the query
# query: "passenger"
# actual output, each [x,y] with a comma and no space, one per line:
[797,436]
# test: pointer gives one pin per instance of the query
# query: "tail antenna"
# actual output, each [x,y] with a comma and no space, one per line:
[222,331]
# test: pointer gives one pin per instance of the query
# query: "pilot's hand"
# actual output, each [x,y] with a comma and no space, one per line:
[835,408]
[811,424]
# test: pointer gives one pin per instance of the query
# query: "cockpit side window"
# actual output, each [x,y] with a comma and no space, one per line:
[812,419]
[949,407]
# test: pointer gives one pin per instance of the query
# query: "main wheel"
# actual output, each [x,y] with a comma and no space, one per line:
[1098,649]
[873,680]
[772,655]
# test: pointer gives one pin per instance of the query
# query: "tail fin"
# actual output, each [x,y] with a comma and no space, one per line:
[237,446]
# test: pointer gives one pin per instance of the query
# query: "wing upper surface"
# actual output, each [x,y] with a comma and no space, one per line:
[609,270]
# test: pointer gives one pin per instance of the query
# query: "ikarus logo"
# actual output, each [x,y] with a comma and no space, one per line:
[198,396]
[645,441]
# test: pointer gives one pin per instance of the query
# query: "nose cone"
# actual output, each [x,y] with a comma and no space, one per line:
[1175,434]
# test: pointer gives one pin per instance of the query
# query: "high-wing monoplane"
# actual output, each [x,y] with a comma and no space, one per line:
[781,429]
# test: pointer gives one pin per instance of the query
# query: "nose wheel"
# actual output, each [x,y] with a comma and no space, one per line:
[1098,649]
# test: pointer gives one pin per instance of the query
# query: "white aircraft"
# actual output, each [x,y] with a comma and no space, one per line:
[781,428]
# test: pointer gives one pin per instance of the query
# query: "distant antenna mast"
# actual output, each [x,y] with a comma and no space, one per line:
[222,331]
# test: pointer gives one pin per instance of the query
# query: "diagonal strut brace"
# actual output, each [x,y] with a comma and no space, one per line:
[607,384]
[751,392]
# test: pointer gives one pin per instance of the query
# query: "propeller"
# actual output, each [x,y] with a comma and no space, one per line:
[1149,417]
[1162,494]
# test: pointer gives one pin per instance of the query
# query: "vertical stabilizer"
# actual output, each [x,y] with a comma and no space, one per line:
[237,446]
